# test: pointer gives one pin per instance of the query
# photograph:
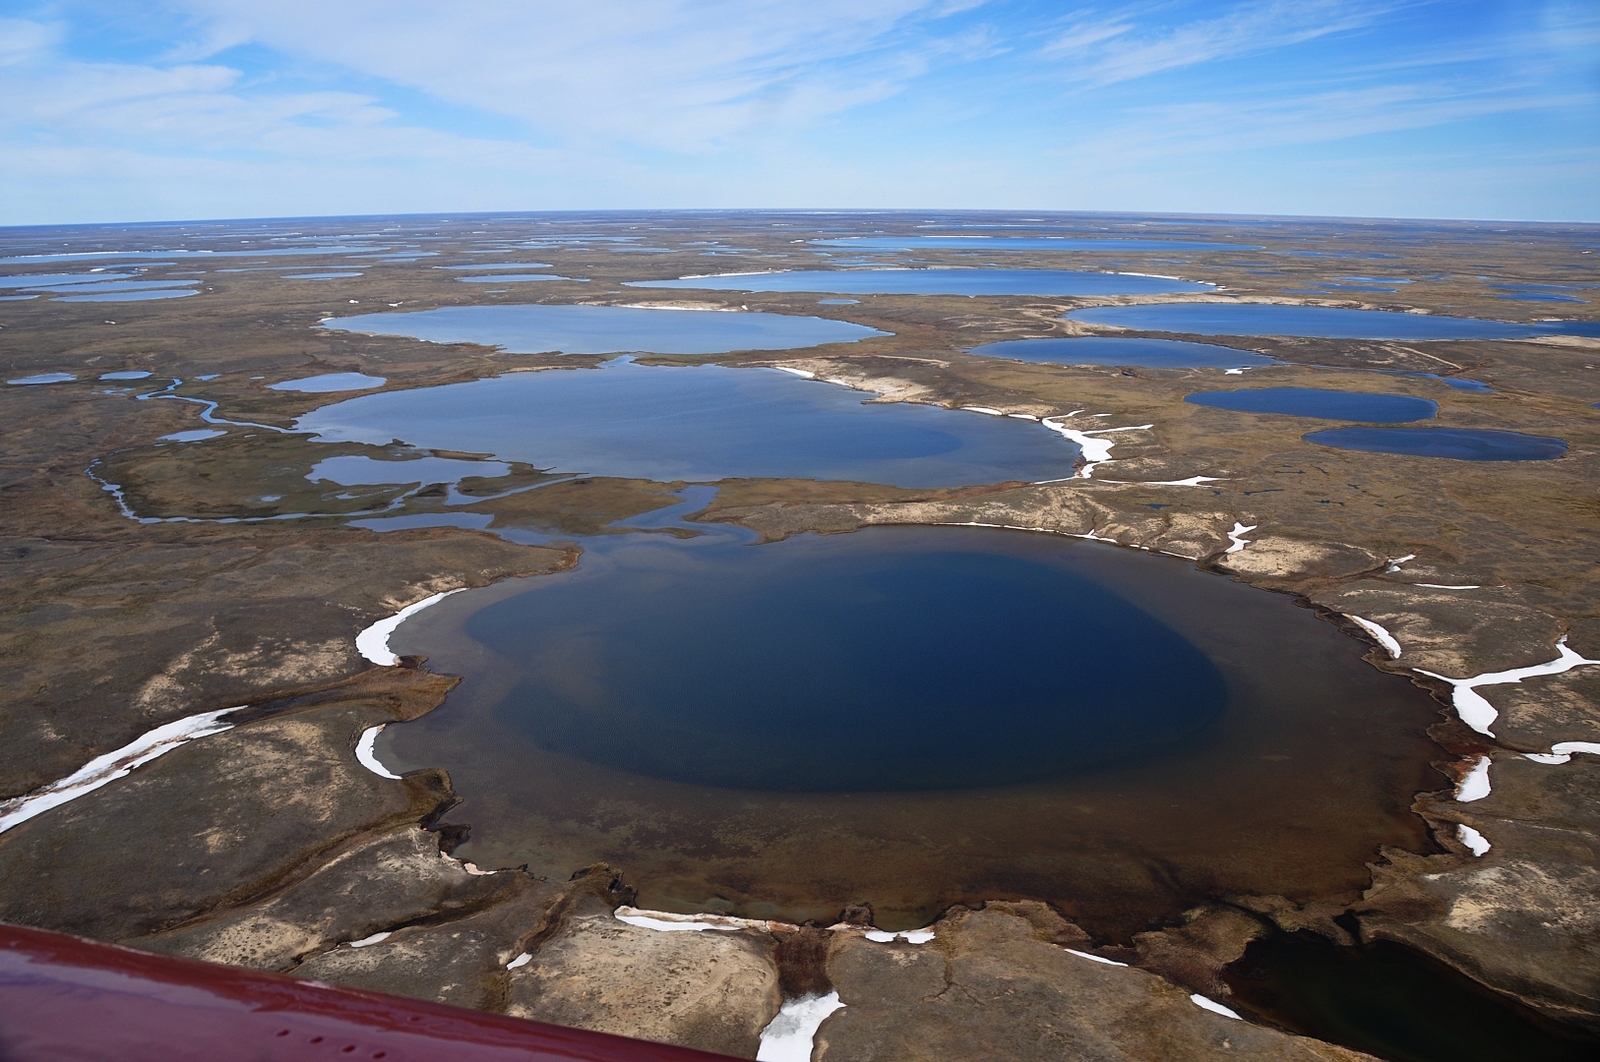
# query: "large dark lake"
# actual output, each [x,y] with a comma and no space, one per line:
[914,717]
[699,423]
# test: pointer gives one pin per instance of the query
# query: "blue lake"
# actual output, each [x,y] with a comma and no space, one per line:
[534,329]
[1024,243]
[319,276]
[936,282]
[1312,402]
[700,423]
[1145,353]
[500,278]
[913,717]
[330,381]
[128,296]
[1460,444]
[1254,319]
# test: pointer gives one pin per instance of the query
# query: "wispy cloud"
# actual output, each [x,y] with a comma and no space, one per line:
[675,75]
[1141,40]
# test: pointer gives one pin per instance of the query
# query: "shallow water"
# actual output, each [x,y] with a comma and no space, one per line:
[319,276]
[698,423]
[536,329]
[329,382]
[1255,319]
[1460,444]
[352,470]
[781,730]
[1144,353]
[1314,402]
[936,282]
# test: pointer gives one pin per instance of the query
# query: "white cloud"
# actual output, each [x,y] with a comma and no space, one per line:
[674,75]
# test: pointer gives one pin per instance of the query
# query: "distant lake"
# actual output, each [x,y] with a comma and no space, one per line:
[701,423]
[330,381]
[1106,350]
[1256,319]
[1025,243]
[537,329]
[1460,444]
[1312,402]
[936,282]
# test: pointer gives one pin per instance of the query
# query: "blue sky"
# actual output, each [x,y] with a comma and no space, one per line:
[172,109]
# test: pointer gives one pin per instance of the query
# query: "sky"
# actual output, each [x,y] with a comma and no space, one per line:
[188,109]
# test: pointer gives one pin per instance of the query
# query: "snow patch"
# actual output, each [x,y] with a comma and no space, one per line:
[113,765]
[791,1035]
[376,938]
[520,961]
[373,643]
[1395,562]
[1213,1006]
[1474,840]
[367,756]
[1385,639]
[1475,784]
[1477,712]
[1093,958]
[1561,751]
[1236,537]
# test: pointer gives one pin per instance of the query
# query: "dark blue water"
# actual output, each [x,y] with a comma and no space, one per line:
[1461,444]
[1025,243]
[606,329]
[701,423]
[1395,1004]
[914,717]
[1145,353]
[1254,319]
[847,668]
[1312,402]
[937,282]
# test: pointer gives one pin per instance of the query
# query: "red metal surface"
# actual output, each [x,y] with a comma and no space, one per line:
[65,999]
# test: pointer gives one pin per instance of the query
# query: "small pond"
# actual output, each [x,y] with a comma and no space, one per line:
[937,282]
[1460,444]
[699,423]
[1143,353]
[319,276]
[915,717]
[537,329]
[1314,402]
[1256,319]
